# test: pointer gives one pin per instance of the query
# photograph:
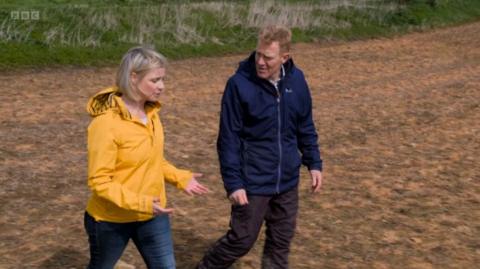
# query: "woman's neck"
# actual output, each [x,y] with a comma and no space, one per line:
[136,108]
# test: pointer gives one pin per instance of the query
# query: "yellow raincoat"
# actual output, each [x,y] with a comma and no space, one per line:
[126,165]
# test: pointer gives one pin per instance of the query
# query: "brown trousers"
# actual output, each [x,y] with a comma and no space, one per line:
[279,213]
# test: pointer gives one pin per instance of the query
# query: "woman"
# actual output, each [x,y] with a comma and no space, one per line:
[127,169]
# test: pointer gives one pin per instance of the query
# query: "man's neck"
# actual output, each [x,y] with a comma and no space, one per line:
[275,79]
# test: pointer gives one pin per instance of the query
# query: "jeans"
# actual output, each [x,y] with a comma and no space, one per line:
[108,241]
[279,212]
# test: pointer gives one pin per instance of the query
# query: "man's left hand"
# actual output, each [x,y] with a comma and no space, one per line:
[316,176]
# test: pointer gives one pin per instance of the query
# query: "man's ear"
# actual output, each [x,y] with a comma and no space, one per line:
[285,57]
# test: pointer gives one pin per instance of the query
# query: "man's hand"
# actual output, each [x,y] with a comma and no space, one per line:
[316,176]
[194,187]
[238,197]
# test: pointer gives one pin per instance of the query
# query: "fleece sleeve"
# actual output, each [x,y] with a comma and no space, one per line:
[307,135]
[102,156]
[228,142]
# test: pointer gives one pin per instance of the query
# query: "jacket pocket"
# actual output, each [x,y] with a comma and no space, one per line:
[291,165]
[245,163]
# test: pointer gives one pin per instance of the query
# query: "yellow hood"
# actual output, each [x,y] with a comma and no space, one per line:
[110,99]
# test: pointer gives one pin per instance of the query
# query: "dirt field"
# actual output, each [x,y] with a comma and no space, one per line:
[399,126]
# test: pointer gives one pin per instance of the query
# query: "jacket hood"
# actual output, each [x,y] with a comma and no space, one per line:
[110,99]
[247,67]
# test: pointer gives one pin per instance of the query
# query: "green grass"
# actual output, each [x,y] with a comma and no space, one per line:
[89,33]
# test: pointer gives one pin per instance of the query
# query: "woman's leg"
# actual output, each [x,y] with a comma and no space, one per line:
[107,242]
[153,239]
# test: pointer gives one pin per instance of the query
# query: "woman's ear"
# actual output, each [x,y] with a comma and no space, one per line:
[133,78]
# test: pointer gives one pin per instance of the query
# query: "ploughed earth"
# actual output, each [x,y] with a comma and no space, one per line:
[399,127]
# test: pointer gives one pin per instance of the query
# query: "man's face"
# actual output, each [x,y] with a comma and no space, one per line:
[269,60]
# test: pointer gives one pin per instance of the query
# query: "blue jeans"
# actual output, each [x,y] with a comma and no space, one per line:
[108,240]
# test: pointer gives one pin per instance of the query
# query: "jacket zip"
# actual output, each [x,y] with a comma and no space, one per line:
[151,132]
[279,140]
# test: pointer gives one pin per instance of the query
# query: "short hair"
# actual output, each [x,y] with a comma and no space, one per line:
[137,60]
[272,33]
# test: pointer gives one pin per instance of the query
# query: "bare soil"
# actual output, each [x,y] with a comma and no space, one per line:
[398,120]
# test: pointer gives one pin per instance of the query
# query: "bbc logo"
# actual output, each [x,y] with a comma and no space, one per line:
[25,15]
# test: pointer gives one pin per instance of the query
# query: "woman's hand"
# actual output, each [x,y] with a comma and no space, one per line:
[158,210]
[194,187]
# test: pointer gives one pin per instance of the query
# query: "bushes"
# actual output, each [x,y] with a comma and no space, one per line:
[88,33]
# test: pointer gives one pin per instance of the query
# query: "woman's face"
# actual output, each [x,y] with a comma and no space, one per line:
[150,86]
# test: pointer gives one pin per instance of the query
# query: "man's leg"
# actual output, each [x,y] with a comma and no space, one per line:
[245,224]
[280,221]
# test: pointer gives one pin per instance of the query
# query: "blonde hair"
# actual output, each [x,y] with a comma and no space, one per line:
[272,33]
[137,60]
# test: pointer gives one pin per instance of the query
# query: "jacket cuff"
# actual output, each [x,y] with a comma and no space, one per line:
[184,177]
[232,189]
[316,166]
[146,204]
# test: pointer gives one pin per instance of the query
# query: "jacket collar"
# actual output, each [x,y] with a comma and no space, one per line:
[110,99]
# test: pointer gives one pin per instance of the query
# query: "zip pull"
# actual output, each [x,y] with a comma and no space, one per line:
[278,95]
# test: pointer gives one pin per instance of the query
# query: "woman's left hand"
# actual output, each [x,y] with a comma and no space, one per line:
[194,187]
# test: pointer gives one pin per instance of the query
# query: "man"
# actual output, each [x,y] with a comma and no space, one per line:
[266,118]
